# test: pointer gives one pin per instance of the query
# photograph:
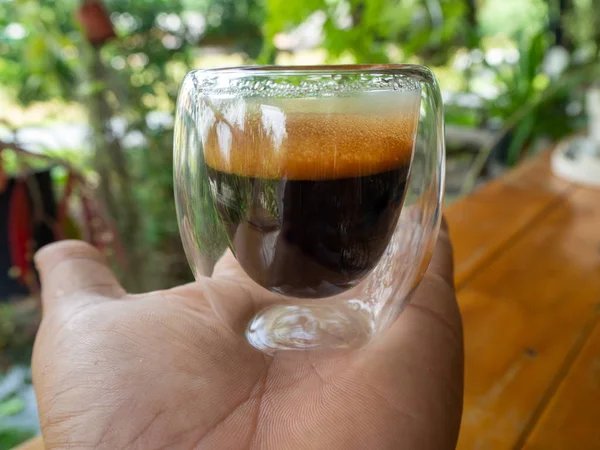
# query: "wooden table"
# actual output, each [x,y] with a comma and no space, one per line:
[527,250]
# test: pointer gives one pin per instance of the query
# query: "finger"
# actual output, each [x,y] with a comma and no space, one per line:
[442,263]
[432,306]
[227,267]
[421,354]
[435,293]
[71,269]
[432,309]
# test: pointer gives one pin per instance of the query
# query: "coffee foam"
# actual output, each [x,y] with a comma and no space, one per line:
[311,138]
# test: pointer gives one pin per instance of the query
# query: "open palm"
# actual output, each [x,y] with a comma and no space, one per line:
[171,369]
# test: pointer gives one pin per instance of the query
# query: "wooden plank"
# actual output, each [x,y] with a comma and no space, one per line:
[486,221]
[573,415]
[482,224]
[523,315]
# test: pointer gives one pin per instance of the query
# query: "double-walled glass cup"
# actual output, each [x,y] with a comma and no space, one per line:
[325,183]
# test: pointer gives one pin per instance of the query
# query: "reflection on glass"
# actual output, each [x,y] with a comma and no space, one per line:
[303,174]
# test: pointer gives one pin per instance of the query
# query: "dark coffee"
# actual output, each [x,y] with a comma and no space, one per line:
[309,238]
[310,207]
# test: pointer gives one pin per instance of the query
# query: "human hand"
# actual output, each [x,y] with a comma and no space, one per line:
[171,369]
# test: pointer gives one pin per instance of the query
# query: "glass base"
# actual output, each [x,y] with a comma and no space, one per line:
[310,326]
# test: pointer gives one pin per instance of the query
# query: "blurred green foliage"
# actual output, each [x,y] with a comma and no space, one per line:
[129,86]
[37,42]
[531,103]
[127,89]
[10,438]
[367,29]
[18,415]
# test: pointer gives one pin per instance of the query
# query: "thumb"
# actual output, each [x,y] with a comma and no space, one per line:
[442,261]
[72,271]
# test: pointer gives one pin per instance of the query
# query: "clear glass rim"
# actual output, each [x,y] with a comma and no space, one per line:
[322,69]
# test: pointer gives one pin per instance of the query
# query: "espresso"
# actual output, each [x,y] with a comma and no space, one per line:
[309,238]
[309,201]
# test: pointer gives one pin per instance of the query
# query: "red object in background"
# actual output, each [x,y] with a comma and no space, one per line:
[20,233]
[29,221]
[96,23]
[3,177]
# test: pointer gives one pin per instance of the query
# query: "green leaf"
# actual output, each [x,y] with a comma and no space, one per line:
[11,438]
[11,406]
[521,135]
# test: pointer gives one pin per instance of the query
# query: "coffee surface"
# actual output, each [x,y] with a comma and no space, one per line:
[309,200]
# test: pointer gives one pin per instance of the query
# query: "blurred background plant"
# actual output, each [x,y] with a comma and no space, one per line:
[94,84]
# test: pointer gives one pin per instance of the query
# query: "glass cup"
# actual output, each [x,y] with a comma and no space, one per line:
[325,183]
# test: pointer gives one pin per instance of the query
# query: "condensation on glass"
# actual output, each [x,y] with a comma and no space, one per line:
[324,182]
